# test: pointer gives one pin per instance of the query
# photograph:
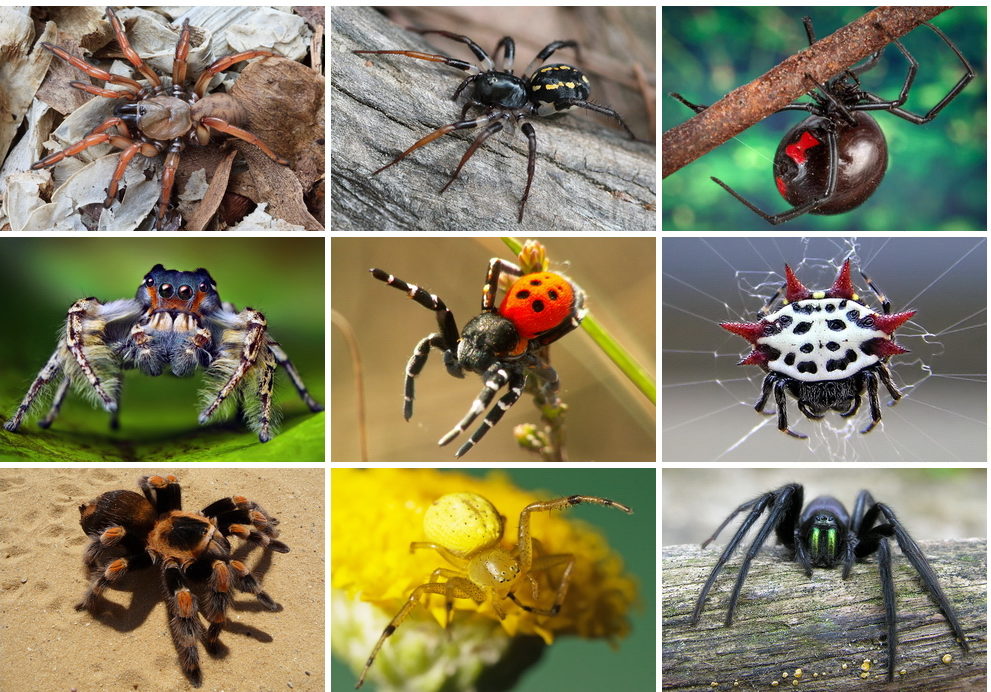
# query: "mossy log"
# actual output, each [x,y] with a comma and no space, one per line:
[589,175]
[823,632]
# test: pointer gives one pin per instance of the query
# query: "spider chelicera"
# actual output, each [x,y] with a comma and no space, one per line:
[833,160]
[824,535]
[466,530]
[825,348]
[501,344]
[503,96]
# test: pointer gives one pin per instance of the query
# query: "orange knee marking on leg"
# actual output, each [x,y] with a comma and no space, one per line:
[115,568]
[240,530]
[258,517]
[185,604]
[157,482]
[240,500]
[112,535]
[222,577]
[240,568]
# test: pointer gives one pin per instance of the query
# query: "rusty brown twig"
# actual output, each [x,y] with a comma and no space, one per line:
[751,103]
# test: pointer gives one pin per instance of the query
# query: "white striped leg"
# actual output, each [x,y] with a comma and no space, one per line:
[416,363]
[48,374]
[283,359]
[494,379]
[515,385]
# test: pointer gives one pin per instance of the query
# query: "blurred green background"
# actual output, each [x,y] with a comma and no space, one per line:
[936,178]
[283,278]
[572,663]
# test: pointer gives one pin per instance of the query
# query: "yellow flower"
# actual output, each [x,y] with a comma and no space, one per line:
[377,513]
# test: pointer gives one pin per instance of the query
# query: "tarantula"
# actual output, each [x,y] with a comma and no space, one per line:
[128,532]
[824,535]
[159,118]
[176,321]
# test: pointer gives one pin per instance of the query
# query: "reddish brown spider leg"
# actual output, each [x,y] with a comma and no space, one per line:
[181,53]
[84,143]
[222,64]
[106,93]
[108,123]
[91,70]
[439,132]
[129,52]
[482,136]
[125,158]
[168,180]
[226,127]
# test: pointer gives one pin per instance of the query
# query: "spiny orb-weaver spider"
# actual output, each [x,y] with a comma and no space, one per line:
[465,529]
[500,344]
[175,322]
[826,348]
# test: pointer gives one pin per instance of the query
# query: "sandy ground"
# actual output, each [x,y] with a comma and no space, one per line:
[46,645]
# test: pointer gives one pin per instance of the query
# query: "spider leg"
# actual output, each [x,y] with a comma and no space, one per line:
[85,143]
[125,159]
[524,543]
[181,53]
[92,70]
[282,358]
[445,318]
[880,104]
[50,372]
[497,266]
[508,46]
[432,57]
[809,413]
[221,64]
[765,393]
[102,576]
[184,621]
[952,94]
[885,376]
[515,390]
[440,132]
[546,562]
[605,110]
[549,50]
[490,130]
[105,93]
[888,592]
[168,180]
[458,587]
[782,405]
[479,52]
[163,492]
[225,127]
[870,384]
[802,208]
[494,379]
[854,407]
[129,52]
[63,389]
[239,516]
[531,164]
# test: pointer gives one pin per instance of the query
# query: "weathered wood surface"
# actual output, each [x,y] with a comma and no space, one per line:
[589,175]
[785,621]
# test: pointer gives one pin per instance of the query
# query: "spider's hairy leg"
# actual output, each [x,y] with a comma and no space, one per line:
[784,499]
[244,580]
[104,575]
[53,411]
[221,64]
[524,543]
[129,52]
[51,372]
[282,358]
[458,587]
[240,516]
[163,492]
[184,621]
[242,349]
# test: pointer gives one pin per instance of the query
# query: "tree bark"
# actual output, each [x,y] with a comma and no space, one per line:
[589,175]
[779,86]
[823,625]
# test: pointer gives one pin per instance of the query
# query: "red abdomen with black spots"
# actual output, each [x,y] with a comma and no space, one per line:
[801,163]
[537,303]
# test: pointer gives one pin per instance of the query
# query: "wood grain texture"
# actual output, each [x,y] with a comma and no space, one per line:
[589,176]
[785,621]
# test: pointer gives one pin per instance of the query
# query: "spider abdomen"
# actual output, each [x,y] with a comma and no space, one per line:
[802,162]
[554,88]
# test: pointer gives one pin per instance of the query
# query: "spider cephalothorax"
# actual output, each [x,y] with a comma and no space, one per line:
[825,535]
[501,344]
[832,161]
[128,532]
[826,348]
[466,530]
[504,96]
[175,323]
[159,118]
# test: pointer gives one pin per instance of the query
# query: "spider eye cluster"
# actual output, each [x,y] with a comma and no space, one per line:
[464,523]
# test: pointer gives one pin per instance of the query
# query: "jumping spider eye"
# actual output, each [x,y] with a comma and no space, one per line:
[466,530]
[128,531]
[166,329]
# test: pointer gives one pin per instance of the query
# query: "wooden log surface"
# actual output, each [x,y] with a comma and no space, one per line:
[825,626]
[589,175]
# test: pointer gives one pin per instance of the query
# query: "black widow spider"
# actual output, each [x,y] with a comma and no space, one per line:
[825,535]
[548,91]
[843,174]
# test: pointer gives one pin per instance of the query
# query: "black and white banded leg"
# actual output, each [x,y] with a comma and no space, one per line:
[514,381]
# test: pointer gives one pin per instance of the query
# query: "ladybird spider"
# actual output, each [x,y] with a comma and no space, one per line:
[826,348]
[841,175]
[155,118]
[465,529]
[550,90]
[501,344]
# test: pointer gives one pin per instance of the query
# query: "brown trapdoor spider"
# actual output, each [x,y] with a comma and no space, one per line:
[158,118]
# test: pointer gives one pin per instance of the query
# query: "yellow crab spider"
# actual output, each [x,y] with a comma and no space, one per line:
[465,529]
